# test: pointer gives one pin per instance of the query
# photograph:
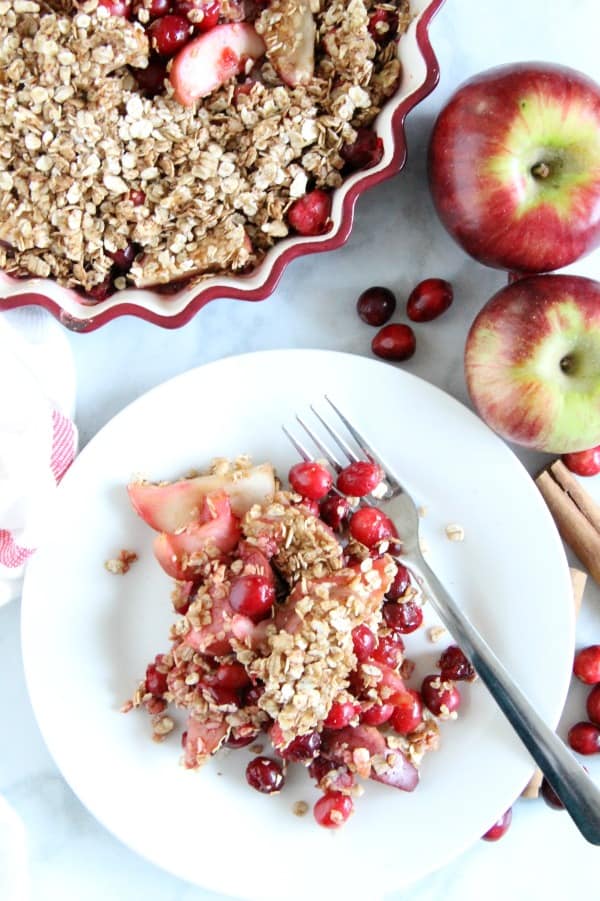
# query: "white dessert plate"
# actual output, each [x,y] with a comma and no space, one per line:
[88,635]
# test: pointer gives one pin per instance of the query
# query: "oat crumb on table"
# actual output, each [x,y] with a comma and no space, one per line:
[435,633]
[455,532]
[120,565]
[300,808]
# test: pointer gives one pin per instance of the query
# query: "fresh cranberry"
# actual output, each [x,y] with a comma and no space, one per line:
[309,215]
[334,511]
[333,809]
[365,151]
[151,80]
[383,25]
[190,9]
[376,714]
[593,705]
[499,828]
[370,526]
[154,8]
[394,342]
[123,259]
[169,34]
[341,714]
[429,299]
[405,617]
[587,665]
[302,748]
[310,479]
[400,583]
[240,741]
[454,665]
[441,696]
[376,305]
[252,596]
[359,478]
[584,738]
[265,775]
[550,796]
[408,712]
[363,641]
[138,198]
[311,507]
[583,463]
[156,682]
[232,675]
[117,7]
[389,650]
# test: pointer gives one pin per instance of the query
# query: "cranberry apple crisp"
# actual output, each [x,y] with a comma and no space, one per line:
[291,623]
[153,142]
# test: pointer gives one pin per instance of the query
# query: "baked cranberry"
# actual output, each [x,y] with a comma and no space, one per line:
[400,583]
[365,151]
[376,714]
[254,695]
[334,511]
[341,714]
[499,828]
[154,8]
[169,34]
[389,650]
[311,507]
[302,748]
[383,25]
[333,809]
[587,665]
[441,696]
[100,291]
[376,305]
[359,478]
[429,299]
[408,712]
[593,705]
[240,741]
[156,682]
[117,7]
[265,775]
[341,779]
[405,617]
[370,526]
[151,80]
[363,641]
[138,198]
[584,738]
[550,796]
[310,479]
[583,463]
[123,259]
[232,675]
[252,596]
[191,9]
[309,215]
[220,695]
[394,342]
[319,768]
[454,665]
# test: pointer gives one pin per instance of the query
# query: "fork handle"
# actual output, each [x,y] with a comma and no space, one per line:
[578,793]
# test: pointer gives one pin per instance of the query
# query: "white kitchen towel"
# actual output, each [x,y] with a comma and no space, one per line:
[38,439]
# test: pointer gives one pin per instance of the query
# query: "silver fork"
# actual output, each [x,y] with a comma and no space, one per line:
[578,793]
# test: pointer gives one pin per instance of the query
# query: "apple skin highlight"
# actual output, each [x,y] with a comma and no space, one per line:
[532,363]
[514,166]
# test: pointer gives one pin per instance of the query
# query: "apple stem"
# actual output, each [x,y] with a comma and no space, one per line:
[540,170]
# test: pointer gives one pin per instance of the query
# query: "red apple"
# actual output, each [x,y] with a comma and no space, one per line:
[514,166]
[532,363]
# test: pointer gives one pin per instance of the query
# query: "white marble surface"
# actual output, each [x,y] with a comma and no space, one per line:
[396,241]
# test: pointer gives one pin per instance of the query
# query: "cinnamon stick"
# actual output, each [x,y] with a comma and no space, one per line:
[576,515]
[578,580]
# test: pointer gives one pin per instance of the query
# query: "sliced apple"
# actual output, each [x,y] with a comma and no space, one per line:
[395,770]
[170,507]
[212,59]
[289,31]
[202,739]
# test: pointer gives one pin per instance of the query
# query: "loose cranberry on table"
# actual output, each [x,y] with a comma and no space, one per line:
[550,796]
[587,665]
[359,478]
[584,738]
[583,463]
[369,525]
[406,617]
[454,665]
[394,342]
[310,479]
[265,775]
[169,34]
[366,150]
[400,583]
[408,712]
[376,305]
[309,215]
[429,299]
[363,641]
[341,714]
[252,596]
[333,809]
[335,511]
[593,705]
[499,828]
[440,696]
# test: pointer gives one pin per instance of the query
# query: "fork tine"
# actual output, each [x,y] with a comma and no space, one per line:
[299,447]
[326,451]
[364,444]
[336,437]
